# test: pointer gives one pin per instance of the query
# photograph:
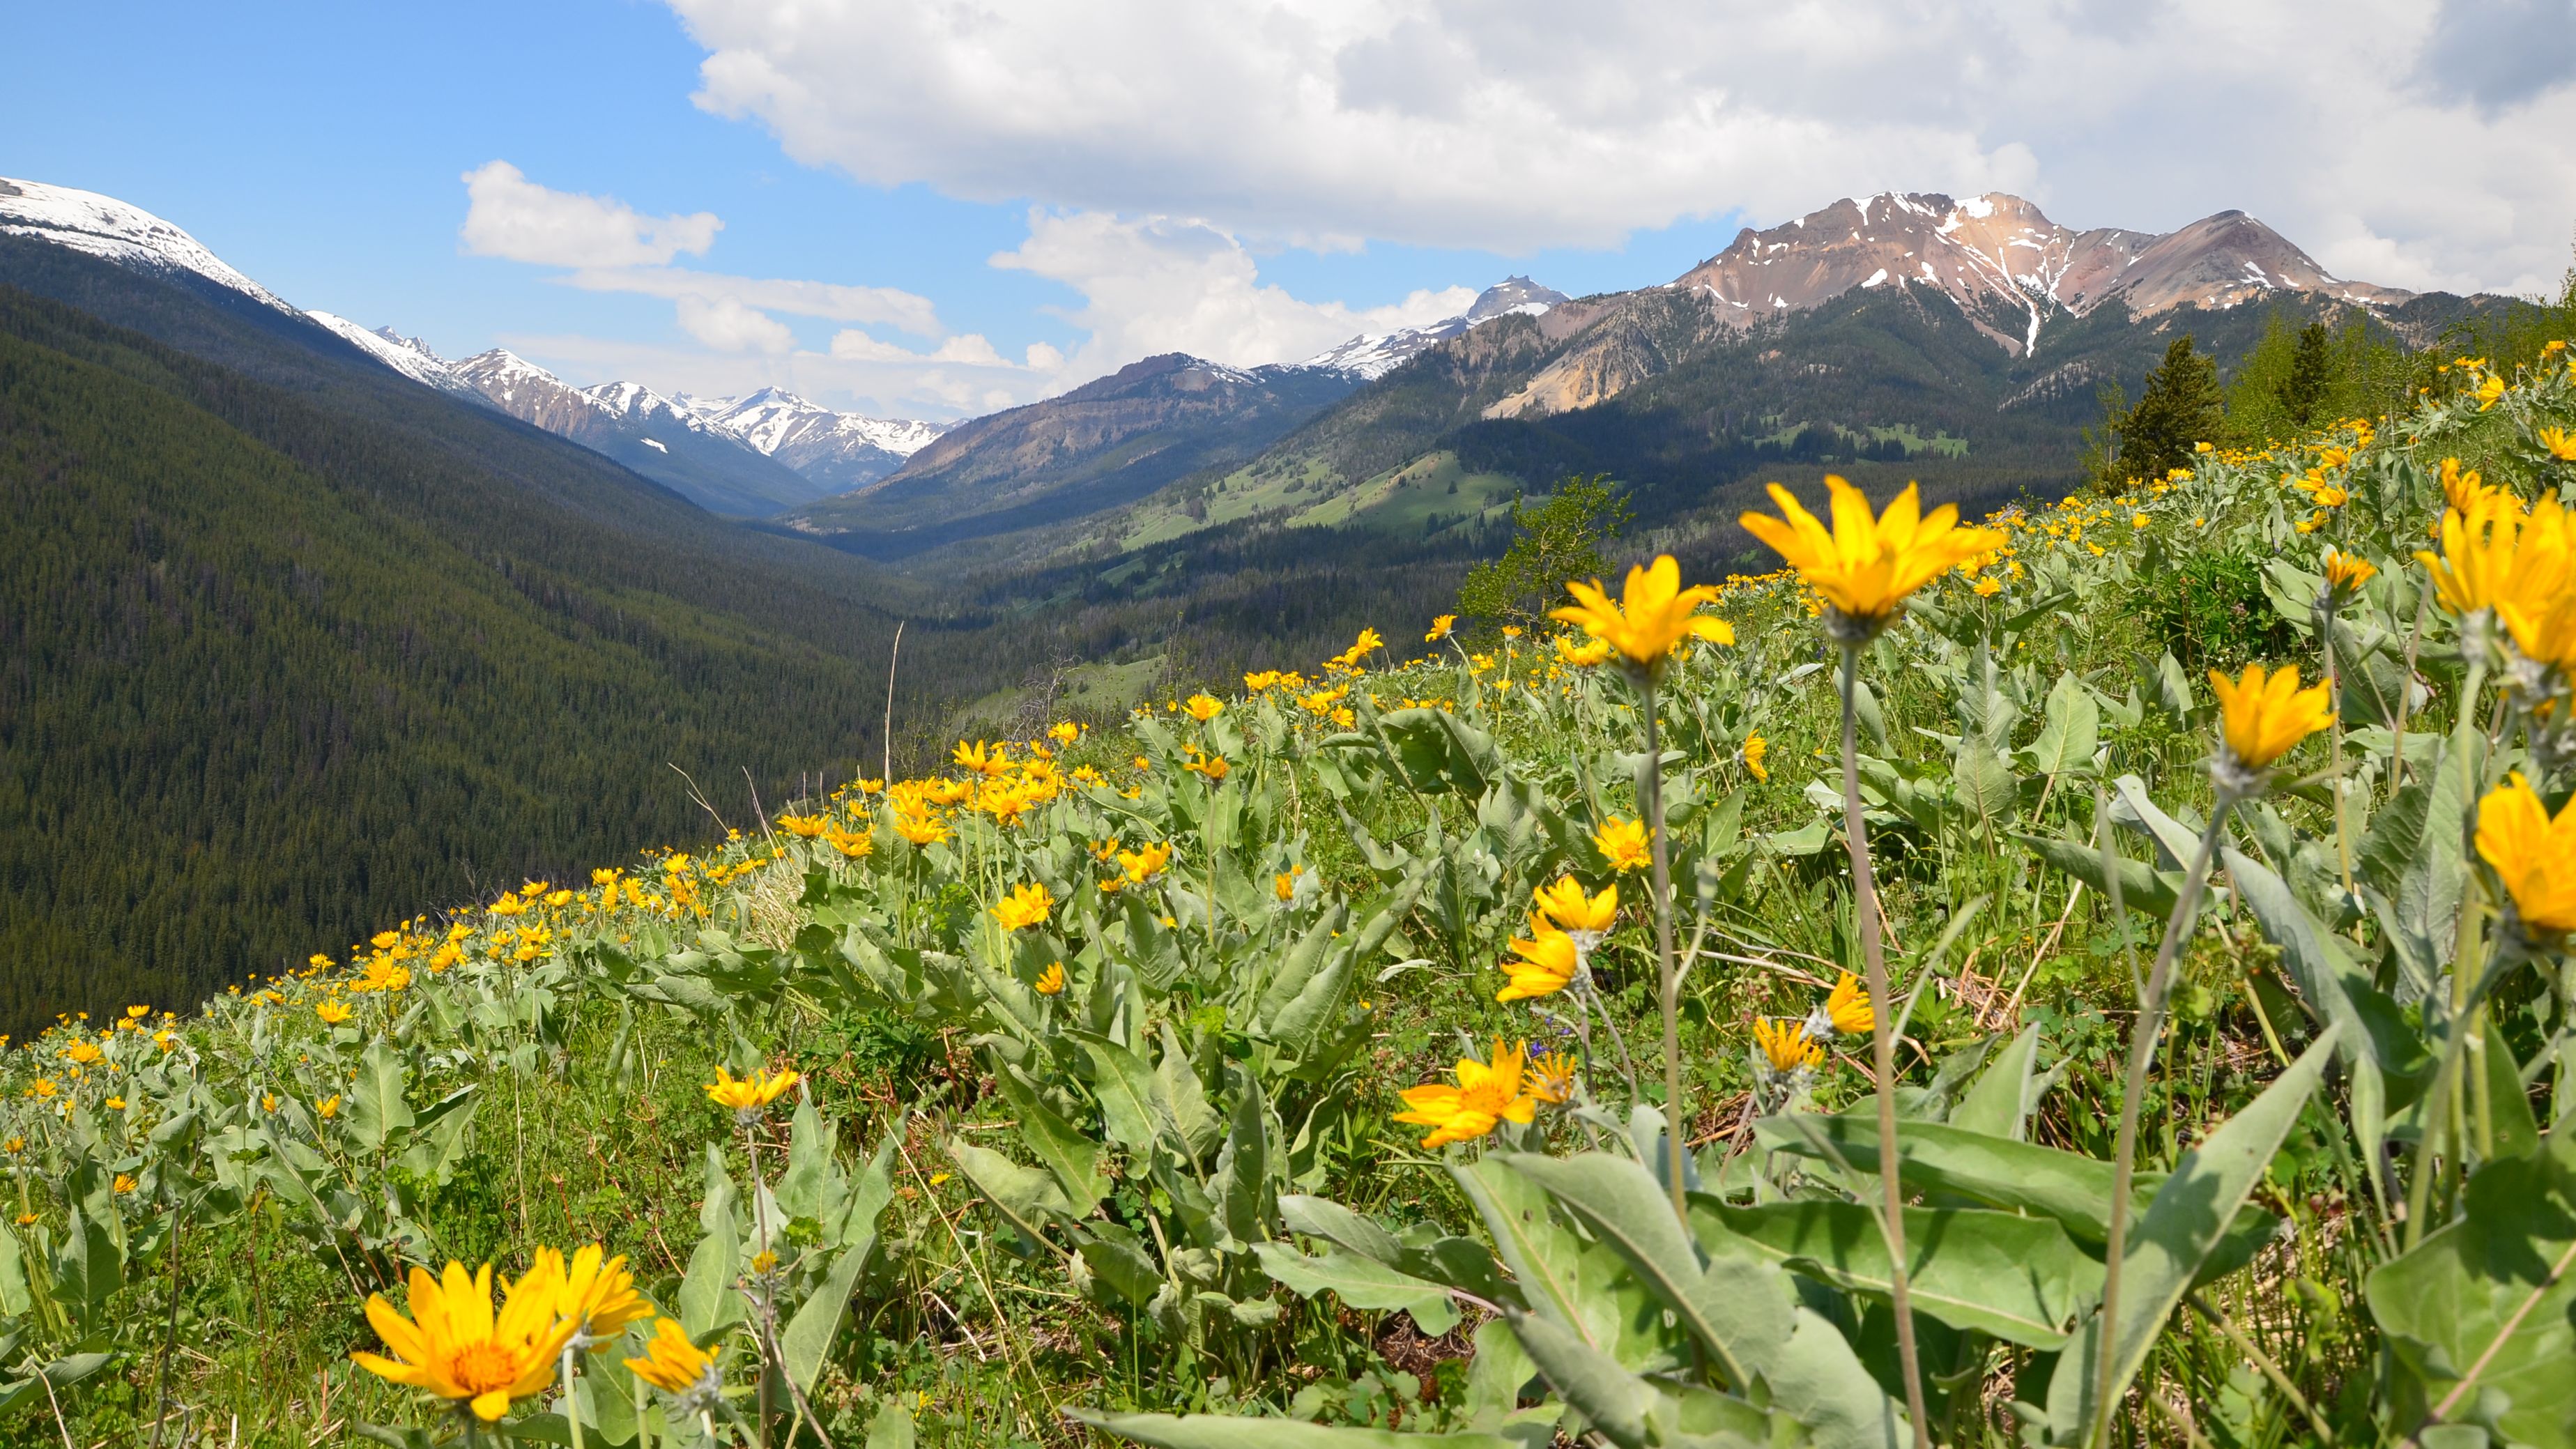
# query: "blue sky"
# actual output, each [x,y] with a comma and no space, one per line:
[318,147]
[1027,193]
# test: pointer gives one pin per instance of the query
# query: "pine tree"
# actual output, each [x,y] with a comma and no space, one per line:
[2181,406]
[2311,379]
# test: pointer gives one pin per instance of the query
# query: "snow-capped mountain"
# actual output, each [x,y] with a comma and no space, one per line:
[1374,355]
[846,450]
[129,236]
[407,355]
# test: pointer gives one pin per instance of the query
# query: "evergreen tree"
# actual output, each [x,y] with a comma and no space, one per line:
[2181,406]
[1559,540]
[2311,380]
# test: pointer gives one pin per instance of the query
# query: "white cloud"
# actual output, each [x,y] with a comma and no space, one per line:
[2355,127]
[508,215]
[1044,357]
[728,326]
[1164,285]
[831,301]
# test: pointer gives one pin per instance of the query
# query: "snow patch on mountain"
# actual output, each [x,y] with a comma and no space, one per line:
[1374,355]
[406,355]
[774,420]
[112,230]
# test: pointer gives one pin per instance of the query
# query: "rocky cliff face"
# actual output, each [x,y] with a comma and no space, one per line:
[1998,257]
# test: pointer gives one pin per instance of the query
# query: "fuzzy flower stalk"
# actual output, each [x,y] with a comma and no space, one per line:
[1865,567]
[1642,628]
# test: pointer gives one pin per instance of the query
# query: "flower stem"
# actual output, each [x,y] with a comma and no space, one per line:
[572,1410]
[1891,1219]
[2142,1055]
[1651,786]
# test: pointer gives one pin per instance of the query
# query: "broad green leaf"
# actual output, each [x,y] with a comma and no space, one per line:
[1983,783]
[1361,1283]
[2147,891]
[1124,1087]
[1026,1197]
[2516,1130]
[376,1107]
[1067,1153]
[2000,1103]
[1299,966]
[1181,1101]
[1217,1431]
[2072,732]
[1497,1374]
[892,1427]
[1823,1385]
[707,1299]
[1242,1177]
[1116,1257]
[1616,1402]
[2182,1229]
[1545,1259]
[1733,1306]
[807,1339]
[14,1298]
[2018,1278]
[1319,1217]
[2493,1288]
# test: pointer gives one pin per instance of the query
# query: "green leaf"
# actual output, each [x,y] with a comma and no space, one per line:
[2493,1289]
[1361,1282]
[376,1109]
[2516,1130]
[707,1299]
[1984,784]
[1072,1157]
[1117,1258]
[2142,889]
[1318,1217]
[2000,1103]
[1124,1087]
[2018,1278]
[1180,1101]
[891,1428]
[1817,1378]
[1218,1431]
[1439,753]
[2072,732]
[1027,1197]
[1546,1259]
[1733,1306]
[807,1339]
[1299,966]
[2182,1229]
[1616,1402]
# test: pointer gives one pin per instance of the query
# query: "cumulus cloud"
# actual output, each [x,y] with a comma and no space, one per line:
[2374,131]
[831,301]
[1158,284]
[728,326]
[507,215]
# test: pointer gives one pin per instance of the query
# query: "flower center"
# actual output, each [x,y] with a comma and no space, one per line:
[481,1367]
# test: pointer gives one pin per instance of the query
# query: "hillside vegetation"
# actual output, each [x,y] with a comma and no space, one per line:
[1071,1095]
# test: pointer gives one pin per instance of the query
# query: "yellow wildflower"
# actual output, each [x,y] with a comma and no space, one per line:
[1440,627]
[1652,618]
[2263,716]
[1846,1010]
[1026,906]
[334,1012]
[676,1366]
[1564,902]
[1589,652]
[2534,855]
[1487,1093]
[1143,865]
[1050,982]
[453,1346]
[1547,962]
[1623,844]
[1205,707]
[751,1093]
[1866,567]
[1755,747]
[2559,443]
[1785,1046]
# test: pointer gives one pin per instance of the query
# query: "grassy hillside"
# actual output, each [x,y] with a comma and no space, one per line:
[1100,1040]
